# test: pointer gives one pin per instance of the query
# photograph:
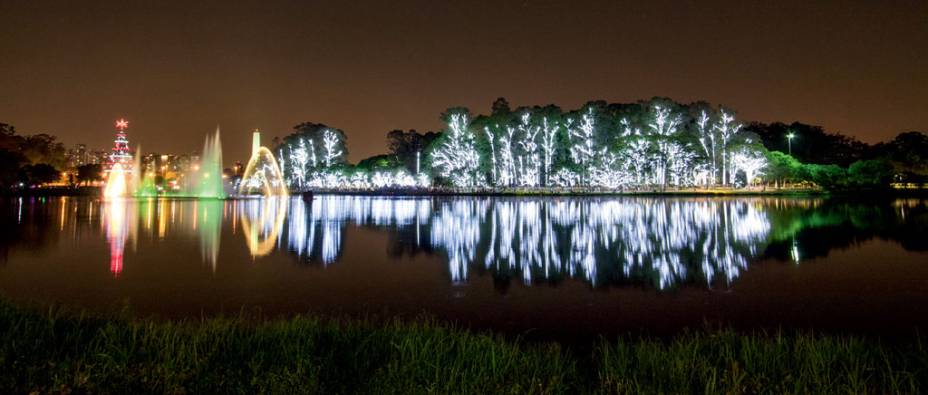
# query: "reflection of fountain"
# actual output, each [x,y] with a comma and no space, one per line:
[209,215]
[116,216]
[262,174]
[262,222]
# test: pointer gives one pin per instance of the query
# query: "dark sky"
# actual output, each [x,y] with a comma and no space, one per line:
[175,71]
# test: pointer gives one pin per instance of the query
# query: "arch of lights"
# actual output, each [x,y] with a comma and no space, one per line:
[263,175]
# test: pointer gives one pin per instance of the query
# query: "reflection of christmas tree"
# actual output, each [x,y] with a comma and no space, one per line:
[121,154]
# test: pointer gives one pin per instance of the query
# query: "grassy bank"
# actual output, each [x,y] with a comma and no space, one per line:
[56,351]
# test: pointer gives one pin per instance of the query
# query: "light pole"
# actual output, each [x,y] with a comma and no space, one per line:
[789,142]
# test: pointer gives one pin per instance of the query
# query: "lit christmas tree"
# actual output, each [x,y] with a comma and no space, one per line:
[121,154]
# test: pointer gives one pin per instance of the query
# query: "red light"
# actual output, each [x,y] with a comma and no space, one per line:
[122,124]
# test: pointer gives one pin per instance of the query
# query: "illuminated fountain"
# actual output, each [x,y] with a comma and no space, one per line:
[206,182]
[262,174]
[119,169]
[116,185]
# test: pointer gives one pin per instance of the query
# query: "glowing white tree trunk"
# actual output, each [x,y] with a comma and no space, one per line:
[330,144]
[707,139]
[508,170]
[299,158]
[664,126]
[493,165]
[548,133]
[581,150]
[726,129]
[529,164]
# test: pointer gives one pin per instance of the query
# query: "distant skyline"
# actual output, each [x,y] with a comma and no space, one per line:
[176,70]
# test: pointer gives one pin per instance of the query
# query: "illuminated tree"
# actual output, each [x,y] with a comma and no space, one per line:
[707,140]
[636,153]
[582,150]
[605,171]
[726,129]
[679,165]
[507,171]
[493,163]
[456,156]
[548,134]
[663,128]
[749,162]
[529,163]
[299,159]
[331,144]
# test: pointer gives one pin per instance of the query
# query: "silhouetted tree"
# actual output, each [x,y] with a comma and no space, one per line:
[89,173]
[405,146]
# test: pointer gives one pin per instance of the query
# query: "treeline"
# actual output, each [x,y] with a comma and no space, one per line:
[29,160]
[836,161]
[650,144]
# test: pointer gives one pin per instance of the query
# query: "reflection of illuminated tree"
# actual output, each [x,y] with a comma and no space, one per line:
[660,241]
[315,229]
[666,241]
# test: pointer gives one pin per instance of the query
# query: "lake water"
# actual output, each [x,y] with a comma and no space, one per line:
[574,266]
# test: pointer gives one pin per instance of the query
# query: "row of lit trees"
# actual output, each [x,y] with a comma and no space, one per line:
[656,143]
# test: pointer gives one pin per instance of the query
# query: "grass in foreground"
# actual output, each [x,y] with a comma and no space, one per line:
[63,352]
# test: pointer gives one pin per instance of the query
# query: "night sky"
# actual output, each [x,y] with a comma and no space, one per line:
[70,68]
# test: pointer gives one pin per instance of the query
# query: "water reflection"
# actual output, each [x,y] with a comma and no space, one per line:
[124,219]
[117,231]
[667,241]
[659,242]
[262,221]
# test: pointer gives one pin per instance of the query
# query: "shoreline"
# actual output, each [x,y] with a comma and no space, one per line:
[720,192]
[688,192]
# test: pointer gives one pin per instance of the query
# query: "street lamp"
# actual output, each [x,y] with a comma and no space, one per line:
[789,142]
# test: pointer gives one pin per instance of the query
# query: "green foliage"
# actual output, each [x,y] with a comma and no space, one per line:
[783,167]
[379,162]
[407,146]
[827,176]
[876,173]
[60,352]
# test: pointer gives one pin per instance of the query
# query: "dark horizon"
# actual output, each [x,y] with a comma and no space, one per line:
[176,71]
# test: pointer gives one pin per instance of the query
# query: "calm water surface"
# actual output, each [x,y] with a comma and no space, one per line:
[551,266]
